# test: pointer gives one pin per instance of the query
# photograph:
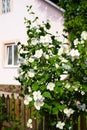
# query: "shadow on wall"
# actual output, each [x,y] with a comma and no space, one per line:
[45,12]
[52,13]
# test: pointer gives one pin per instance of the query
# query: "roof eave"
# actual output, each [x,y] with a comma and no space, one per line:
[54,5]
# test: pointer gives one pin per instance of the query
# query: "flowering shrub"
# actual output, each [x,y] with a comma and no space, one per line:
[53,75]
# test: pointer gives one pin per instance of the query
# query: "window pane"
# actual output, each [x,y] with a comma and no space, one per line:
[5,6]
[8,5]
[9,55]
[15,55]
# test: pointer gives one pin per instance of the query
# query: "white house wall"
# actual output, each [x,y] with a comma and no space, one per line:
[12,28]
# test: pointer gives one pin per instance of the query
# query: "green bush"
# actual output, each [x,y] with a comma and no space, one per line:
[75,17]
[53,75]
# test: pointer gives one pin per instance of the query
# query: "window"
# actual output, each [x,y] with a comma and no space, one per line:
[11,55]
[6,6]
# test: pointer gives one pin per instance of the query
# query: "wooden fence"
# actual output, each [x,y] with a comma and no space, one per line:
[16,114]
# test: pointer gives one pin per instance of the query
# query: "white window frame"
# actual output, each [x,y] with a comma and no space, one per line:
[7,55]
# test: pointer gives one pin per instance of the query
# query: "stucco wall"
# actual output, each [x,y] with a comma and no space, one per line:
[12,28]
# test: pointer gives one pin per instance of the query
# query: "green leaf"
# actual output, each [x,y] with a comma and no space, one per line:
[85,71]
[35,86]
[47,95]
[48,106]
[47,25]
[62,107]
[55,110]
[71,89]
[85,88]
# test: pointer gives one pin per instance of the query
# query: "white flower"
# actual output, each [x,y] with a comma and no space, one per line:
[38,98]
[31,73]
[77,103]
[27,99]
[82,92]
[82,41]
[35,67]
[65,40]
[63,49]
[39,103]
[31,59]
[46,56]
[38,31]
[34,41]
[37,95]
[68,112]
[50,86]
[29,89]
[60,125]
[64,76]
[63,60]
[22,61]
[70,128]
[65,66]
[29,123]
[56,65]
[38,53]
[50,46]
[60,51]
[45,40]
[76,42]
[75,88]
[50,52]
[67,85]
[81,106]
[84,35]
[23,51]
[66,48]
[74,54]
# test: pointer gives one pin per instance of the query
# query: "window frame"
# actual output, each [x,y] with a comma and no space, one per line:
[7,55]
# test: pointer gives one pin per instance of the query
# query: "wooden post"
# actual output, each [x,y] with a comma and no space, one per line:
[75,122]
[17,108]
[8,106]
[82,123]
[3,101]
[23,116]
[12,107]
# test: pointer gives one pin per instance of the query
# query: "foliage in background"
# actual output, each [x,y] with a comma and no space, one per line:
[55,1]
[53,75]
[75,17]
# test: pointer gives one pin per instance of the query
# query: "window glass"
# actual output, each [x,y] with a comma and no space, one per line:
[9,55]
[8,5]
[15,55]
[5,6]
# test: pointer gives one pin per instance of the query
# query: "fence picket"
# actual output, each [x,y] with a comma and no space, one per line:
[17,113]
[83,123]
[75,122]
[23,113]
[8,106]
